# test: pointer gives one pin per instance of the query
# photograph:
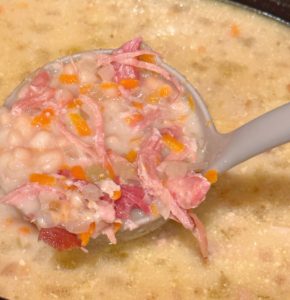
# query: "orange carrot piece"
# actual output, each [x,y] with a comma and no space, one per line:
[80,124]
[235,31]
[191,103]
[117,226]
[131,156]
[134,119]
[44,118]
[78,172]
[211,176]
[108,85]
[153,99]
[42,179]
[76,103]
[201,49]
[154,210]
[149,58]
[9,221]
[165,91]
[68,78]
[85,88]
[172,143]
[24,229]
[117,195]
[129,83]
[85,236]
[137,105]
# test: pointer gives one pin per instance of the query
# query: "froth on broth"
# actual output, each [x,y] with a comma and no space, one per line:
[239,61]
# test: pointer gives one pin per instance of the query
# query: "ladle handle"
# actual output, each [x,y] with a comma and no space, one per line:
[263,133]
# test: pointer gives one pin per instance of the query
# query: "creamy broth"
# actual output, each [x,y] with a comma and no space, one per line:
[239,62]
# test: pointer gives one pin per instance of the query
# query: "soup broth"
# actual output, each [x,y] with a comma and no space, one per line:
[239,62]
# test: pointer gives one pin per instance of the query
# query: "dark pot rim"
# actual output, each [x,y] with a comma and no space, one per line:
[277,9]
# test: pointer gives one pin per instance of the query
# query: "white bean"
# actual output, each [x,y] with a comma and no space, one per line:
[22,154]
[49,161]
[112,141]
[23,125]
[86,76]
[5,158]
[4,131]
[111,93]
[68,69]
[42,140]
[179,108]
[14,138]
[153,83]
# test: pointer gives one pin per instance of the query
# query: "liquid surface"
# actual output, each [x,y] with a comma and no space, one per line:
[240,64]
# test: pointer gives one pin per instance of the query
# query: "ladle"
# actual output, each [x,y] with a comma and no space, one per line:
[221,151]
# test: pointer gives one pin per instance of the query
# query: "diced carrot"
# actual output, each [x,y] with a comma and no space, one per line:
[24,229]
[131,156]
[85,236]
[182,118]
[85,88]
[129,83]
[76,103]
[154,210]
[80,124]
[137,105]
[43,179]
[70,187]
[9,221]
[108,85]
[44,118]
[153,98]
[191,103]
[68,78]
[117,226]
[149,58]
[134,119]
[235,31]
[172,143]
[211,176]
[201,49]
[54,205]
[165,91]
[78,172]
[117,195]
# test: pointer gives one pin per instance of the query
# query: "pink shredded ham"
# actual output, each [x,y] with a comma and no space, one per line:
[190,148]
[188,191]
[200,234]
[19,195]
[75,140]
[25,198]
[150,116]
[59,238]
[123,71]
[126,64]
[132,197]
[147,164]
[97,121]
[35,94]
[151,175]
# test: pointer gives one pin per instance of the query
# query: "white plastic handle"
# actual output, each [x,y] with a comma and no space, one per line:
[263,133]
